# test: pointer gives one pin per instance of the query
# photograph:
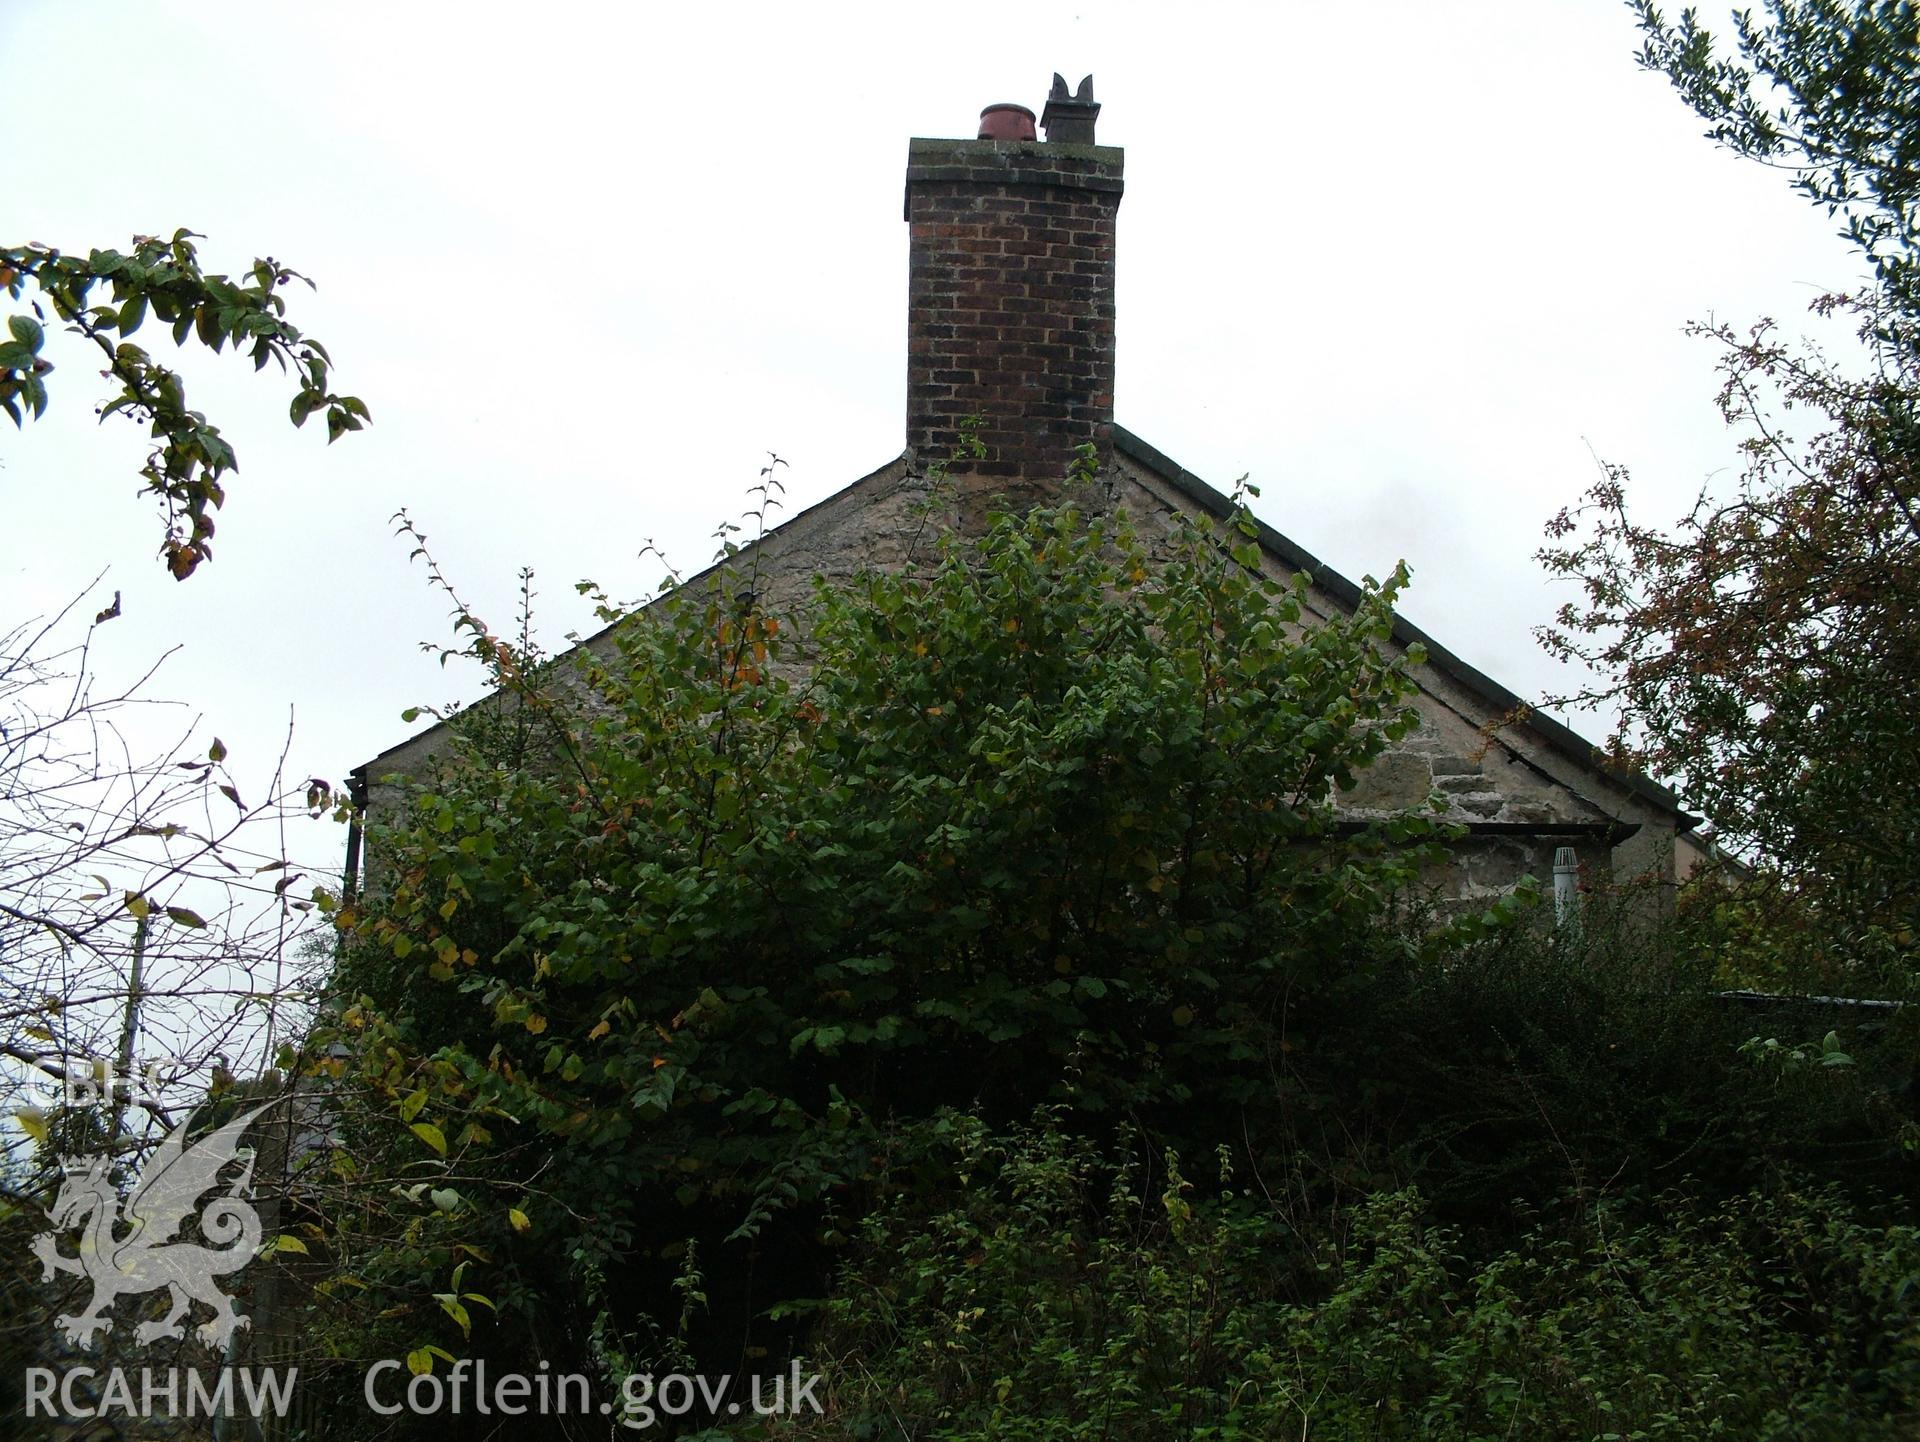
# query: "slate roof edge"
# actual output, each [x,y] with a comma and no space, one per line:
[1556,734]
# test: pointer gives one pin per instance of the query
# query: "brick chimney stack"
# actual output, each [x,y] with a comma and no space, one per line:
[1010,293]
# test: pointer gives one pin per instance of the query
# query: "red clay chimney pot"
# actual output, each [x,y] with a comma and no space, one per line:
[1007,122]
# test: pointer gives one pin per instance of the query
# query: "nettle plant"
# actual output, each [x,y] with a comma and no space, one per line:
[1045,817]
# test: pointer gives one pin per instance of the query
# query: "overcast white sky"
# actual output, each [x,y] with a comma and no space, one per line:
[1402,264]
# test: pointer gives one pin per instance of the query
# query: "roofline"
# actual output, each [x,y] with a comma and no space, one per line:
[897,462]
[1556,734]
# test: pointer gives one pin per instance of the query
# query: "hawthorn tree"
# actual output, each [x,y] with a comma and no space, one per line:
[1828,93]
[671,941]
[1766,651]
[1763,652]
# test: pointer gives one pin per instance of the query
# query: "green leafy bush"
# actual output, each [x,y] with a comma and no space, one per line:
[1534,1063]
[1067,1293]
[1044,817]
[704,994]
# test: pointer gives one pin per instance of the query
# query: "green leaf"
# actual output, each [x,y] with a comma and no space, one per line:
[411,1106]
[27,331]
[285,1243]
[132,314]
[450,1304]
[184,916]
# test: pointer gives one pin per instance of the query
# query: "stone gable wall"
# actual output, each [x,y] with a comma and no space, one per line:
[1521,798]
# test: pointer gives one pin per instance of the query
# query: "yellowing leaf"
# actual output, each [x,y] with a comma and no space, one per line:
[285,1243]
[599,1031]
[450,1304]
[137,905]
[431,1135]
[536,1023]
[33,1122]
[420,1361]
[521,1221]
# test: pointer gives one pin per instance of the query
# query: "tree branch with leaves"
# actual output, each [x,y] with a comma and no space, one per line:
[185,468]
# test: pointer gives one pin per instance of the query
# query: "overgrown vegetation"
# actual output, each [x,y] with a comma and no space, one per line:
[961,985]
[1072,1293]
[699,1008]
[722,921]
